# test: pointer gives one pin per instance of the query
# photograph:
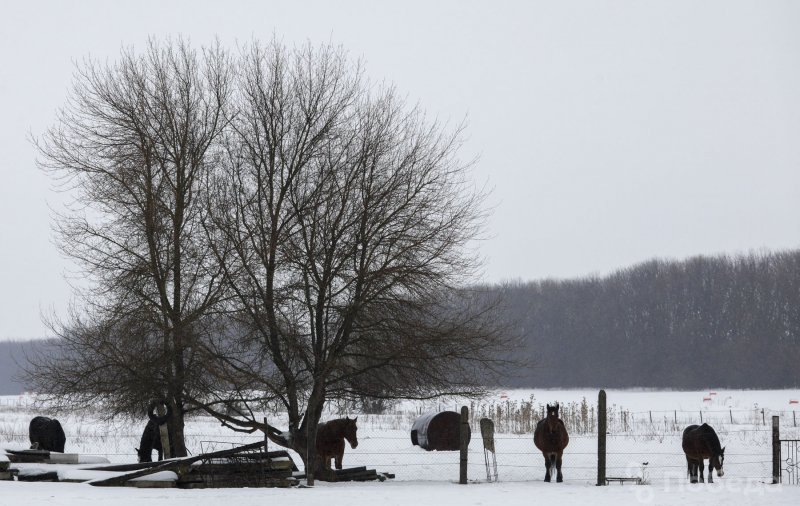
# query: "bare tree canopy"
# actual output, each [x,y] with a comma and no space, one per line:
[344,217]
[135,146]
[269,227]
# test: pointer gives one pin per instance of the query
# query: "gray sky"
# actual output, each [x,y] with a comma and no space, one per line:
[610,132]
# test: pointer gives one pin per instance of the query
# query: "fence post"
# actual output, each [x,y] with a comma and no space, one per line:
[464,444]
[266,439]
[601,438]
[776,450]
[163,431]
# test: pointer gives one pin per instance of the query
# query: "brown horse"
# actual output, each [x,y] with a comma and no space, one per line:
[701,442]
[551,437]
[330,440]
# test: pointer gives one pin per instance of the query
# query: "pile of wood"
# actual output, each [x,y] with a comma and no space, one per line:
[350,474]
[271,469]
[246,466]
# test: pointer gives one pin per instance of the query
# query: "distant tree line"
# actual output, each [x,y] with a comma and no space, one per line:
[718,321]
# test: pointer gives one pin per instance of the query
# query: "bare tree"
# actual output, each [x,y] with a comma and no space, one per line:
[135,144]
[344,218]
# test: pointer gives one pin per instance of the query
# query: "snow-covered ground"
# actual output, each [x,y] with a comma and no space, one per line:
[646,428]
[406,494]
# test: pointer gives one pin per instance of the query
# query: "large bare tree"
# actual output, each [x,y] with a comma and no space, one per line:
[135,145]
[344,218]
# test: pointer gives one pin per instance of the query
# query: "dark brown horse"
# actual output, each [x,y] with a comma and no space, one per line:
[551,437]
[330,440]
[701,442]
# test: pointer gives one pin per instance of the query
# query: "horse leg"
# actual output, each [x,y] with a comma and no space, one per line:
[701,469]
[692,470]
[324,461]
[547,468]
[710,471]
[559,477]
[339,454]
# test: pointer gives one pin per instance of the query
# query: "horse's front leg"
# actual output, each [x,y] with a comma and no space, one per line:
[339,460]
[701,468]
[547,468]
[710,471]
[559,476]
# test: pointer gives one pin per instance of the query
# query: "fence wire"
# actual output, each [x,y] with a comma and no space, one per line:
[640,444]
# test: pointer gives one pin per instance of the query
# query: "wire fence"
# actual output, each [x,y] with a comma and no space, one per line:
[640,444]
[654,459]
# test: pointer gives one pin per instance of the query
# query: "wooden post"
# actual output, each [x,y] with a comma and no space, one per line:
[776,450]
[701,416]
[731,413]
[163,431]
[266,439]
[601,438]
[464,444]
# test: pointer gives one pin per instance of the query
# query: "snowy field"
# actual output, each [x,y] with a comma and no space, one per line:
[644,426]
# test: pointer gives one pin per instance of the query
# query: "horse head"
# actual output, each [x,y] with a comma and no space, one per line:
[349,431]
[552,417]
[717,460]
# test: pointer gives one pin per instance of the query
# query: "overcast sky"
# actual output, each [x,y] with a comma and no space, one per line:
[609,132]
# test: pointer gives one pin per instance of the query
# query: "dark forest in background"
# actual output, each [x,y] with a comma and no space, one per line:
[704,322]
[12,356]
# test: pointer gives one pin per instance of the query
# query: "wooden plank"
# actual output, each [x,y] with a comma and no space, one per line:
[8,475]
[48,476]
[125,467]
[350,470]
[151,484]
[27,456]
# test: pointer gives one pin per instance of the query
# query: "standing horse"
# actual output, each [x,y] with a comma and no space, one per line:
[551,437]
[330,440]
[701,442]
[151,436]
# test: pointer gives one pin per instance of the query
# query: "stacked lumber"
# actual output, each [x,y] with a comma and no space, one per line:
[271,469]
[350,474]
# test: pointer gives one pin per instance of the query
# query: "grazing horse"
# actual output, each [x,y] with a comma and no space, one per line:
[701,442]
[151,437]
[330,440]
[46,434]
[551,437]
